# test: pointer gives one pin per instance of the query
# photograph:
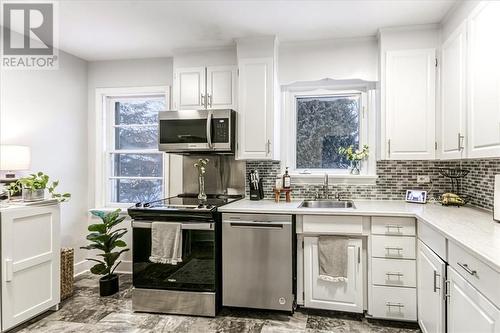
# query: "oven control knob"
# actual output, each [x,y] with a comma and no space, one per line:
[208,206]
[139,204]
[146,205]
[200,206]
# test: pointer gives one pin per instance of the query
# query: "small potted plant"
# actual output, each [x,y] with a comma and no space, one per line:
[33,188]
[105,239]
[355,157]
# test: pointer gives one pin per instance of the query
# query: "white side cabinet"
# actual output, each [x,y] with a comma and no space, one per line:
[211,87]
[410,104]
[484,81]
[430,290]
[468,310]
[453,98]
[30,262]
[341,296]
[257,121]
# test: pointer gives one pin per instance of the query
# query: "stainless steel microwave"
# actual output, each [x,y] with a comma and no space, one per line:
[197,131]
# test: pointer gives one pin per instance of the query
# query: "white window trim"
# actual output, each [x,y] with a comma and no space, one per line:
[102,95]
[367,136]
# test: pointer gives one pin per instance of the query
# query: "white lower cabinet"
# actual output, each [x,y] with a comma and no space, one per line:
[468,310]
[341,296]
[430,287]
[30,252]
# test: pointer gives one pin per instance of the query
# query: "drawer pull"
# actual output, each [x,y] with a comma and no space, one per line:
[390,305]
[389,249]
[436,275]
[446,289]
[390,227]
[398,274]
[467,269]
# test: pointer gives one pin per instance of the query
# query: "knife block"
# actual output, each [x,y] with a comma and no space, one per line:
[256,194]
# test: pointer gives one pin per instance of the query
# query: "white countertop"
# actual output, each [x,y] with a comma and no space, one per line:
[473,229]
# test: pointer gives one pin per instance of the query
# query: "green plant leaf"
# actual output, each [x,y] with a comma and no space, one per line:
[98,227]
[94,246]
[116,221]
[98,269]
[98,213]
[119,243]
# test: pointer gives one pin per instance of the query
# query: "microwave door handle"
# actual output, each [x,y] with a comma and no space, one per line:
[209,129]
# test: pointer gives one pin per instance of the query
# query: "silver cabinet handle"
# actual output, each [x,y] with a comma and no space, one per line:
[460,145]
[467,269]
[398,274]
[389,148]
[389,227]
[388,250]
[359,255]
[395,305]
[435,276]
[209,129]
[209,100]
[203,100]
[446,289]
[256,225]
[268,146]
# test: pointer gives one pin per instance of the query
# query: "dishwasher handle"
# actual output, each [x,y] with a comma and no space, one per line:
[256,225]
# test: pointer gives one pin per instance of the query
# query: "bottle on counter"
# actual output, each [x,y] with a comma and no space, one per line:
[286,179]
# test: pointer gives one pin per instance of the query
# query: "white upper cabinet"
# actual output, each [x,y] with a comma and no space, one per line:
[453,97]
[221,86]
[211,87]
[484,81]
[189,88]
[258,96]
[410,104]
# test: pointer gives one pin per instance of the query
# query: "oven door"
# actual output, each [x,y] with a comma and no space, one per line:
[196,272]
[193,131]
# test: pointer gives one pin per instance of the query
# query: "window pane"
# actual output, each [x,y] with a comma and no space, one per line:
[137,165]
[323,125]
[138,111]
[136,137]
[136,190]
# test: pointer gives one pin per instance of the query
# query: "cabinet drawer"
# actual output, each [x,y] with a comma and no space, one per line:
[432,239]
[394,303]
[399,247]
[477,273]
[394,272]
[332,224]
[393,226]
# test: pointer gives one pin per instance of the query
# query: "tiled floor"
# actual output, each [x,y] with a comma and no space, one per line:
[87,312]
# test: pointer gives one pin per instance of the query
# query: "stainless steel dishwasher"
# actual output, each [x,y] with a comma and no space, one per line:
[257,261]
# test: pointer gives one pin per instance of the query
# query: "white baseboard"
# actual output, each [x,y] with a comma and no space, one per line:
[83,267]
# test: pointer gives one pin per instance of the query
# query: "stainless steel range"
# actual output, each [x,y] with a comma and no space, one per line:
[192,286]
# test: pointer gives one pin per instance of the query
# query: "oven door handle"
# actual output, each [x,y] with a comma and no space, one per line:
[185,226]
[209,129]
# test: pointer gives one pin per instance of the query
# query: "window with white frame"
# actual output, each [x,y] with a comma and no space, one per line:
[134,168]
[319,123]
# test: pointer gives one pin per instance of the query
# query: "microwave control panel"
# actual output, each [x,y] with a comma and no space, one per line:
[220,130]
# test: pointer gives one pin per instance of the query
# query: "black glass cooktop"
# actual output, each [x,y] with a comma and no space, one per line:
[191,201]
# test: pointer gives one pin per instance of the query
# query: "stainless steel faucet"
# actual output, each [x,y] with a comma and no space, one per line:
[325,186]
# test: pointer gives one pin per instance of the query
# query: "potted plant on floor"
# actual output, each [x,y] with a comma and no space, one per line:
[33,188]
[105,239]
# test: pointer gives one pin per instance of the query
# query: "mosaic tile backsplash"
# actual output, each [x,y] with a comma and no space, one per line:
[395,177]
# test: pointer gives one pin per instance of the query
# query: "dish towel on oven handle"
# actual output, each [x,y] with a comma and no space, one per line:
[166,243]
[332,256]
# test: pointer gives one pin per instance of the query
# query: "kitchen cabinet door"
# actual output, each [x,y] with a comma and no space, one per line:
[30,262]
[256,109]
[221,86]
[484,81]
[430,290]
[341,296]
[453,101]
[189,88]
[468,310]
[410,104]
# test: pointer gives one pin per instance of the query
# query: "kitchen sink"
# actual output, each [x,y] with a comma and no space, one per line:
[327,204]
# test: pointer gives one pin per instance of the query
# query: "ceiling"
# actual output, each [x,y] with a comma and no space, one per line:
[107,29]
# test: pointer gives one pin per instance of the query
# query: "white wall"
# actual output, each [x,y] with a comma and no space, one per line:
[205,57]
[355,58]
[456,16]
[47,110]
[122,73]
